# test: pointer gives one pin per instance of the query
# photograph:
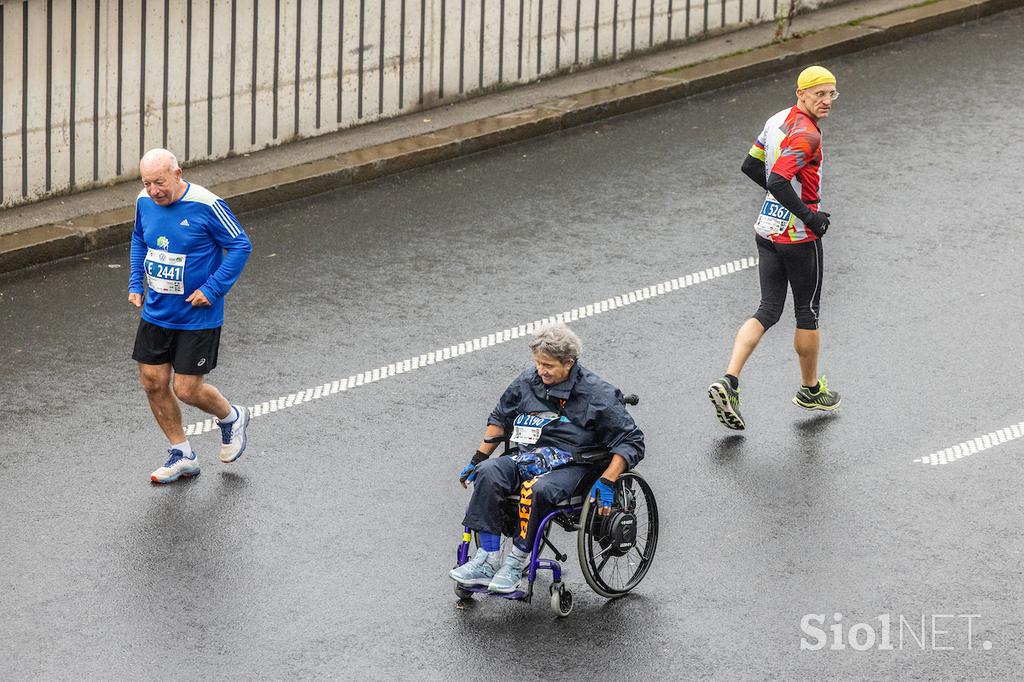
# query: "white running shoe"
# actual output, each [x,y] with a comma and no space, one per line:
[477,571]
[510,575]
[232,436]
[177,466]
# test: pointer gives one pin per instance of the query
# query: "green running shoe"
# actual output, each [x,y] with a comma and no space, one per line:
[824,399]
[726,400]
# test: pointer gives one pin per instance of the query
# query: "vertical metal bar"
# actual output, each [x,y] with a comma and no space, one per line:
[142,84]
[401,60]
[615,29]
[520,69]
[298,62]
[686,33]
[723,13]
[2,75]
[558,38]
[758,9]
[167,47]
[341,52]
[423,30]
[775,8]
[576,58]
[277,61]
[120,76]
[49,91]
[24,99]
[741,11]
[501,43]
[231,80]
[72,113]
[255,55]
[669,21]
[650,38]
[705,16]
[319,54]
[188,76]
[95,93]
[380,61]
[597,25]
[362,27]
[440,82]
[540,31]
[462,46]
[483,13]
[209,79]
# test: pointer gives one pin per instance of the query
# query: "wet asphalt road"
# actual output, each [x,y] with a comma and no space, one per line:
[323,551]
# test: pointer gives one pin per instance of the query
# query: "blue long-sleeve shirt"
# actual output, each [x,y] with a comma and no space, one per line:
[195,243]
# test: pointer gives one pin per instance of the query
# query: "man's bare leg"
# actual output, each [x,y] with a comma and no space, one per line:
[192,390]
[806,343]
[746,341]
[156,382]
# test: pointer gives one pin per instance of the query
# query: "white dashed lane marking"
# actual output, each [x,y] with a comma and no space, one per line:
[972,447]
[455,350]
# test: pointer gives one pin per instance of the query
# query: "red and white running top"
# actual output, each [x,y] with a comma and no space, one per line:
[790,146]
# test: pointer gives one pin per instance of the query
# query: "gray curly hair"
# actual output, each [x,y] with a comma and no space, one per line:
[558,341]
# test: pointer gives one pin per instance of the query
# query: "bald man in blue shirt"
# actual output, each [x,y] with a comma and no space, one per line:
[188,249]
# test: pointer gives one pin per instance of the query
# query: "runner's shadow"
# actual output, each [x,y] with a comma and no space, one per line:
[728,448]
[232,482]
[816,425]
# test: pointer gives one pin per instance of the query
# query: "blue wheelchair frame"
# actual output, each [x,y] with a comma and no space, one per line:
[537,563]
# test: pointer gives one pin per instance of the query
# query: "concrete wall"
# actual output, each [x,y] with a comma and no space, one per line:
[89,85]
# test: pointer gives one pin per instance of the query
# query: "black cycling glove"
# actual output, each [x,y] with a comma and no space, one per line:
[818,224]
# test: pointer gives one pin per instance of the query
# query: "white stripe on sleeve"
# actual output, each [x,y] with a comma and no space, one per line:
[226,219]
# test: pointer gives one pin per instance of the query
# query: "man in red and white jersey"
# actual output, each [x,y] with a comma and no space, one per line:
[788,231]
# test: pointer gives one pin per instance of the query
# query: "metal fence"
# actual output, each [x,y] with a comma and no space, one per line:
[89,85]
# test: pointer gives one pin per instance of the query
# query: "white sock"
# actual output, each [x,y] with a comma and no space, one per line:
[185,448]
[232,416]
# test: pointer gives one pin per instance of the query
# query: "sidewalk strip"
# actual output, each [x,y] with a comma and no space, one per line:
[973,446]
[377,374]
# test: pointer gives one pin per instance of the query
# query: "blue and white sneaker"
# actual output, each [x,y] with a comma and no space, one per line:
[177,466]
[510,575]
[232,436]
[477,571]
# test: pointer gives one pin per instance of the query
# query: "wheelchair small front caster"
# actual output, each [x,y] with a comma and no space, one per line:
[462,593]
[561,600]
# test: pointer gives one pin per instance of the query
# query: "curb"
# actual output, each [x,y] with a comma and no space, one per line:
[96,231]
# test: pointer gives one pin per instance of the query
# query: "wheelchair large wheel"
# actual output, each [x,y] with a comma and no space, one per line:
[616,551]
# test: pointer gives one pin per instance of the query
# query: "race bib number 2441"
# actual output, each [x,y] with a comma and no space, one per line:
[165,272]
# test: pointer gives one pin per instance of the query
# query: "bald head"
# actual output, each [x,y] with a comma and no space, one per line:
[161,176]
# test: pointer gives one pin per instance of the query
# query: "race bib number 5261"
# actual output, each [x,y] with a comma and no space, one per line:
[165,271]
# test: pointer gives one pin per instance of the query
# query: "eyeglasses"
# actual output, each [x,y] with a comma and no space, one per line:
[831,95]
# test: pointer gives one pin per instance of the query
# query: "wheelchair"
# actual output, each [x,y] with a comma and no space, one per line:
[614,551]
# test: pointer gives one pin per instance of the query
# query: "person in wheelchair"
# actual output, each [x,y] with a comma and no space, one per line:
[566,423]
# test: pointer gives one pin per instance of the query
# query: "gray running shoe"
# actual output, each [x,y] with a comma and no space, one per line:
[477,571]
[510,575]
[726,400]
[824,399]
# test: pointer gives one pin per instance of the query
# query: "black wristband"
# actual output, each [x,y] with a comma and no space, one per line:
[478,457]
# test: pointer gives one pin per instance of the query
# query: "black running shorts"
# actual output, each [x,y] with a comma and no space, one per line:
[189,351]
[789,266]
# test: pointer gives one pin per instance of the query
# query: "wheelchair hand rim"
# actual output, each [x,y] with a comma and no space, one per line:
[611,576]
